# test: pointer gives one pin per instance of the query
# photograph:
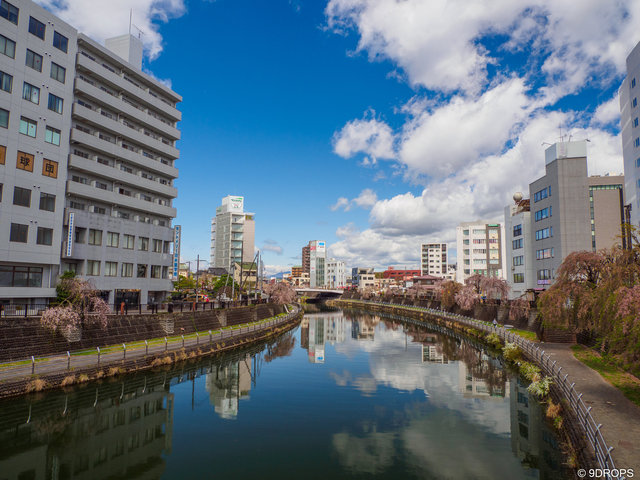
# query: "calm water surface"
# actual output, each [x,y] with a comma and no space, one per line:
[344,395]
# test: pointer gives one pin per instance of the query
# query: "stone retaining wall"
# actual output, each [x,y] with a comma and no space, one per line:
[22,337]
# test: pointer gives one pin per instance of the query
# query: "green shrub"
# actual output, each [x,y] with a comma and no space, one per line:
[541,387]
[494,340]
[511,352]
[530,371]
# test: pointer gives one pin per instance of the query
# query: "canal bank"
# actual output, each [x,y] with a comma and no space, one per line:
[54,371]
[591,442]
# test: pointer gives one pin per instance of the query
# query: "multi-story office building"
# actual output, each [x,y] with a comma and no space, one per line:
[433,259]
[305,259]
[317,263]
[37,59]
[121,173]
[232,234]
[362,278]
[480,249]
[630,132]
[336,273]
[571,211]
[520,272]
[80,119]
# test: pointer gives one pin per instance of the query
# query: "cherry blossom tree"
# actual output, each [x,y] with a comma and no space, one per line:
[280,293]
[77,304]
[494,288]
[446,292]
[467,297]
[519,308]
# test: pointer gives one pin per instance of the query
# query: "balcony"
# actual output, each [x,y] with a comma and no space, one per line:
[120,129]
[117,151]
[122,85]
[91,166]
[116,199]
[119,104]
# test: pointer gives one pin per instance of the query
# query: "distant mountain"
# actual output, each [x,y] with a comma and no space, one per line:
[279,275]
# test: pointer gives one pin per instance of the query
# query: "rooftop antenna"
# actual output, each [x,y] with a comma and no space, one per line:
[561,137]
[130,19]
[131,24]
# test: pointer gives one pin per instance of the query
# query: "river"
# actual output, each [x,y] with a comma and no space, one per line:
[344,395]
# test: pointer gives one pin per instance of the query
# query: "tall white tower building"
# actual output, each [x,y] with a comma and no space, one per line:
[232,234]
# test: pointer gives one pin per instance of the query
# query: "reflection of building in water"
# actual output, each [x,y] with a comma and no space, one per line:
[121,437]
[491,384]
[363,329]
[432,350]
[532,441]
[304,333]
[317,339]
[336,329]
[227,385]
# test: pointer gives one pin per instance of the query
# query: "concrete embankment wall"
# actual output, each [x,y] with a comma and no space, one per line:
[22,337]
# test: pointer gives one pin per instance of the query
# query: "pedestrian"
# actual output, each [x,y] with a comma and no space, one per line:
[122,308]
[495,323]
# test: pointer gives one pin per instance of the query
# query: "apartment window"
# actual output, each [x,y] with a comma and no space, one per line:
[22,197]
[633,82]
[544,276]
[9,11]
[19,233]
[99,210]
[157,246]
[47,202]
[124,191]
[7,47]
[516,244]
[78,179]
[93,267]
[6,82]
[542,214]
[517,230]
[165,272]
[143,244]
[103,161]
[4,118]
[544,233]
[52,136]
[634,103]
[638,162]
[126,270]
[80,234]
[635,122]
[34,60]
[60,41]
[31,93]
[44,236]
[55,103]
[544,253]
[102,186]
[110,269]
[36,27]
[76,205]
[518,278]
[127,241]
[28,127]
[58,73]
[156,271]
[124,168]
[12,276]
[95,237]
[113,239]
[542,194]
[166,247]
[519,260]
[142,271]
[636,142]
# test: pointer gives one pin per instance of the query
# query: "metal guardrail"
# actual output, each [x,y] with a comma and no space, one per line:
[591,429]
[64,362]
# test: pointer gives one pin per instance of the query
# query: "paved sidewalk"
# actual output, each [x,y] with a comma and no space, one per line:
[60,363]
[620,418]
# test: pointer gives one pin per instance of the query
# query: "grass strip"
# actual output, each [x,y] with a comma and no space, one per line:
[623,381]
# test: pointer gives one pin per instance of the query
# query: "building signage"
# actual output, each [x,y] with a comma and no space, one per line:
[70,235]
[176,250]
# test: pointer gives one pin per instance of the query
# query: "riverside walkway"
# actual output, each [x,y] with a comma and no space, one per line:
[115,354]
[614,436]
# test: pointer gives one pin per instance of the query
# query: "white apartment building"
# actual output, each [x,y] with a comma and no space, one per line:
[362,278]
[433,259]
[630,132]
[481,249]
[336,273]
[232,234]
[520,268]
[317,263]
[87,146]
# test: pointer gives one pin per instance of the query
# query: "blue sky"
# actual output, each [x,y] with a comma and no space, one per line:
[373,124]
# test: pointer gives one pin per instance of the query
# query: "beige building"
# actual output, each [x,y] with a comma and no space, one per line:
[232,234]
